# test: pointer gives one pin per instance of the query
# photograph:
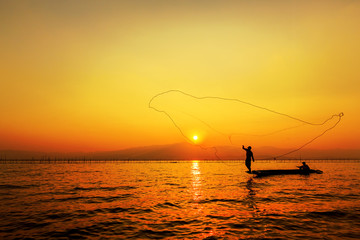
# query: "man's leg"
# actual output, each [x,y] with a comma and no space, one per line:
[248,165]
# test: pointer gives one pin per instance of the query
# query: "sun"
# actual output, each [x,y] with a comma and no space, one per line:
[195,137]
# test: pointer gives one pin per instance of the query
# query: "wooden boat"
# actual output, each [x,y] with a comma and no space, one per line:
[262,173]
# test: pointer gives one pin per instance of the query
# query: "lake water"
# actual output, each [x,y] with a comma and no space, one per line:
[182,200]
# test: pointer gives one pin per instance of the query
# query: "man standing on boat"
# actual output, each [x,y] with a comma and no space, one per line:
[249,156]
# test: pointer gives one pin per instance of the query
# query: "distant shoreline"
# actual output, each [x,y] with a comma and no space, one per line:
[182,152]
[45,161]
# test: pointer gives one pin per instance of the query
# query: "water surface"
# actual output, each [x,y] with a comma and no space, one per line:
[182,200]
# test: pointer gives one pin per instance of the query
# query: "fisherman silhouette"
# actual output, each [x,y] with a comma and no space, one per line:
[249,156]
[304,167]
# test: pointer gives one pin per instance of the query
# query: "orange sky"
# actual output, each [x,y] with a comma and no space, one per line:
[78,75]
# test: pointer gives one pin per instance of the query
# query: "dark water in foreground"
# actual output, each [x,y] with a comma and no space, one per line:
[184,200]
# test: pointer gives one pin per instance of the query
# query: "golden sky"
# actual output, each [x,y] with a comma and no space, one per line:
[78,75]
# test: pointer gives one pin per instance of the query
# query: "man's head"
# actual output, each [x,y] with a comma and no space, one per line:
[249,147]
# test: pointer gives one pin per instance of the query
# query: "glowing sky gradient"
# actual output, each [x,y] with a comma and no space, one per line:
[78,75]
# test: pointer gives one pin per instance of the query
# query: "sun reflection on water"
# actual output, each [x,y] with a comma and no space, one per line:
[196,181]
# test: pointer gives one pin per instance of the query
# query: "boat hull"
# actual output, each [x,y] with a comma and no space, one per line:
[262,173]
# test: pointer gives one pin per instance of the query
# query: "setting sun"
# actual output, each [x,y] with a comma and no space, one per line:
[195,137]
